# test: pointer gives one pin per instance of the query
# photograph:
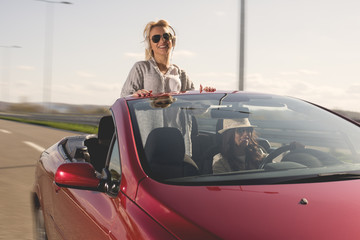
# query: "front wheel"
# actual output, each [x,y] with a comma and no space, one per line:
[39,232]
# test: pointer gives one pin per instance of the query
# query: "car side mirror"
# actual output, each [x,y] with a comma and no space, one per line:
[77,175]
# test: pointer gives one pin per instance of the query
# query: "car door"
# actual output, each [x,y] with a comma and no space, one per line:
[84,214]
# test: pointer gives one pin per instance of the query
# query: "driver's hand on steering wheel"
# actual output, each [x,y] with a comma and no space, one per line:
[296,146]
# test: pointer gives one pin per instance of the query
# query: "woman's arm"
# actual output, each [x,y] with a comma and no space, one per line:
[134,81]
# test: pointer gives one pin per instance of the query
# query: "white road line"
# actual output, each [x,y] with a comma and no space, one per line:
[35,146]
[5,131]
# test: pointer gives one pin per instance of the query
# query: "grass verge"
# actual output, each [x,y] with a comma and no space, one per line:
[59,125]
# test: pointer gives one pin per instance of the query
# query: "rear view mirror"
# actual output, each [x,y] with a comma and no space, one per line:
[77,175]
[229,112]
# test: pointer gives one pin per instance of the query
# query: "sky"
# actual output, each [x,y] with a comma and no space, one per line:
[302,48]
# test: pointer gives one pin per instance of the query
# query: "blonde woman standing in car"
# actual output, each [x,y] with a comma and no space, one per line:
[157,74]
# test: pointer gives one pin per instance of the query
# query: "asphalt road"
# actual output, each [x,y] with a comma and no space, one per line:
[20,148]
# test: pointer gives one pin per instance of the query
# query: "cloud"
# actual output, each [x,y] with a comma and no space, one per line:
[94,92]
[85,74]
[135,55]
[220,13]
[255,76]
[289,73]
[24,67]
[23,83]
[91,87]
[106,87]
[308,72]
[353,90]
[184,53]
[280,85]
[219,80]
[299,72]
[303,86]
[217,75]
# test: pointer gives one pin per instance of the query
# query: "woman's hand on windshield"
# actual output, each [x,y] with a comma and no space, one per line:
[142,93]
[207,89]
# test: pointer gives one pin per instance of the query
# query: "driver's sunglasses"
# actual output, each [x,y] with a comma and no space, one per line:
[242,130]
[166,36]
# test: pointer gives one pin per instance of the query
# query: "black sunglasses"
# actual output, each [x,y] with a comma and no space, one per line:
[242,130]
[166,36]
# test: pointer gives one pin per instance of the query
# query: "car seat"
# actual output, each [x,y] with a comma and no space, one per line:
[165,154]
[98,147]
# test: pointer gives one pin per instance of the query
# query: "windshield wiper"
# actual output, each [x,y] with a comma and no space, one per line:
[230,179]
[325,177]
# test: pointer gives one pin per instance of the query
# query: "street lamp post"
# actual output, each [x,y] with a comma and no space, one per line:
[48,50]
[5,89]
[242,45]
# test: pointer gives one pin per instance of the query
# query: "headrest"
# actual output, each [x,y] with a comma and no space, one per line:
[106,129]
[165,146]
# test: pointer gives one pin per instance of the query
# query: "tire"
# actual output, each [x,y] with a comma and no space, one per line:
[39,231]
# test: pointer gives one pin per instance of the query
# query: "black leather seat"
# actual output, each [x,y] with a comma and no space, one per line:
[106,130]
[165,153]
[99,147]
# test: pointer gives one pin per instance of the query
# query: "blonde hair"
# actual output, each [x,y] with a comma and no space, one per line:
[161,23]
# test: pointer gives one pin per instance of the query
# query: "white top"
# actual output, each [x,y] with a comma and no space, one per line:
[146,75]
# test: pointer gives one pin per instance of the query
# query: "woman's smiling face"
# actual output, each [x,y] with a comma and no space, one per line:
[163,47]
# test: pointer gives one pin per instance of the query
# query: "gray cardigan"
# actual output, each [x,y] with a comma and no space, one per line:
[146,75]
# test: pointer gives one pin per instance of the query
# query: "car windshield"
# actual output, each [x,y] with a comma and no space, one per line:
[242,138]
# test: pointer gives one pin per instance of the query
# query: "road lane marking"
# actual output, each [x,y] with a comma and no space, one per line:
[35,146]
[5,131]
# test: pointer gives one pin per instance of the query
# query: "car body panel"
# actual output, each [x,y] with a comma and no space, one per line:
[45,187]
[70,215]
[103,217]
[274,211]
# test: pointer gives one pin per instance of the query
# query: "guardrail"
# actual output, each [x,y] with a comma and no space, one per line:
[88,119]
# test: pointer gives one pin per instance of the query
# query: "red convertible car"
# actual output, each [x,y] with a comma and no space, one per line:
[221,165]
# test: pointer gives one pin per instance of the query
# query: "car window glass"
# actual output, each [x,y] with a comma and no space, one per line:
[115,168]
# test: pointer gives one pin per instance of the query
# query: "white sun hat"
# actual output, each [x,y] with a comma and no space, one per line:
[235,123]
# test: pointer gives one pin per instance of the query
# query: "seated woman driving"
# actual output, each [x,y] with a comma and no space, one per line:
[239,149]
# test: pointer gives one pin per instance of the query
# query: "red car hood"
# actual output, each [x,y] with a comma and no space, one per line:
[255,212]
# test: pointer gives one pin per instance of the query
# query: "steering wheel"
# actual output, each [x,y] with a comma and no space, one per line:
[320,158]
[274,154]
